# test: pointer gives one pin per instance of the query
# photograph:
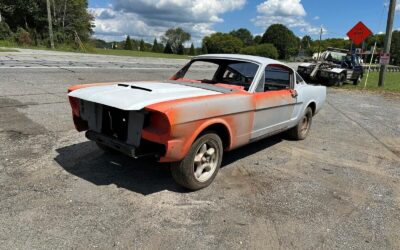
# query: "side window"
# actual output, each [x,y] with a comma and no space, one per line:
[277,78]
[201,70]
[299,79]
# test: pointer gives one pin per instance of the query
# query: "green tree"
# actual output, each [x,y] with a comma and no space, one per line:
[395,47]
[244,35]
[306,42]
[192,51]
[142,46]
[180,50]
[378,38]
[70,18]
[257,39]
[20,13]
[204,49]
[265,50]
[128,43]
[168,49]
[76,19]
[5,32]
[222,43]
[176,37]
[156,46]
[283,39]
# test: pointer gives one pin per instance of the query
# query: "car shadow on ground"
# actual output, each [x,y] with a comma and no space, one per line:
[144,176]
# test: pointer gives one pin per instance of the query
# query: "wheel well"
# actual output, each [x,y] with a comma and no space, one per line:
[222,131]
[313,107]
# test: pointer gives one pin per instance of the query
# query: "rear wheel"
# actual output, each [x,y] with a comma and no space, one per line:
[302,129]
[200,166]
[357,81]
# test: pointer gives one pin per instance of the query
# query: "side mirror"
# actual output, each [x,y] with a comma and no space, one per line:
[294,93]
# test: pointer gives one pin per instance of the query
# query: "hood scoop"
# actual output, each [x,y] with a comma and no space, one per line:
[134,87]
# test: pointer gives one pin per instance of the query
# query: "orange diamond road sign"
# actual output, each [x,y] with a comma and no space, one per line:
[359,33]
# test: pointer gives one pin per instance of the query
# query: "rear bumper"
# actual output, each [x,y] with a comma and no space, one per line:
[112,143]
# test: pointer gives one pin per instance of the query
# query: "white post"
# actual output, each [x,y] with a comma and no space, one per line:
[369,67]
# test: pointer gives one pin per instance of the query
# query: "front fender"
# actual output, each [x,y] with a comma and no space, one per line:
[190,117]
[184,135]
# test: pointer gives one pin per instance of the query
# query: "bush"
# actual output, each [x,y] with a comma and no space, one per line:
[265,50]
[222,43]
[5,32]
[23,37]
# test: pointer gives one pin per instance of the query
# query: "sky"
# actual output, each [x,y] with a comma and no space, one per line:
[149,19]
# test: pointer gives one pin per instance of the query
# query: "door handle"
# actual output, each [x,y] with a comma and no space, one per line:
[294,93]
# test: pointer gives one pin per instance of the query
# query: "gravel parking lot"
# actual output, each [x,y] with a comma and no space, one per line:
[339,188]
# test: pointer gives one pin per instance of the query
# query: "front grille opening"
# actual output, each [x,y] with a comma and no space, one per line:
[115,123]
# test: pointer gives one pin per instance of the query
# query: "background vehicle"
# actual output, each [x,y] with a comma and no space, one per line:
[334,67]
[215,103]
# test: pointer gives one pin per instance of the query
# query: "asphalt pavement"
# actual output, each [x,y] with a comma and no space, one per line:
[338,189]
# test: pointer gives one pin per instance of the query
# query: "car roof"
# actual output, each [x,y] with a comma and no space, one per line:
[257,59]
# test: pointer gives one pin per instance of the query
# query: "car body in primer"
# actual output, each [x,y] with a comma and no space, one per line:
[165,118]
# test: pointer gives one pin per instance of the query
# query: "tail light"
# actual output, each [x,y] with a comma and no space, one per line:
[80,125]
[75,105]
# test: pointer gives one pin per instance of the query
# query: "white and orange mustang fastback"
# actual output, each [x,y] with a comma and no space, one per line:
[215,103]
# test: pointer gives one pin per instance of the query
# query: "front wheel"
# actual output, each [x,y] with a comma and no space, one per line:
[342,79]
[200,166]
[302,129]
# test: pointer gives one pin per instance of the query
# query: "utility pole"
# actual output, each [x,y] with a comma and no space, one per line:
[50,24]
[388,39]
[319,44]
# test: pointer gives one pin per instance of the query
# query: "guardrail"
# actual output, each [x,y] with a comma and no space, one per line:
[377,68]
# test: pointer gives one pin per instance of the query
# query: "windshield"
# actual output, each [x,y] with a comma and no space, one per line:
[236,74]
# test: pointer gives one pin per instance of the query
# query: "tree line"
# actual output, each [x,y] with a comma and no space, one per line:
[277,42]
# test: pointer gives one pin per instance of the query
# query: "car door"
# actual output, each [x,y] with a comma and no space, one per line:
[274,100]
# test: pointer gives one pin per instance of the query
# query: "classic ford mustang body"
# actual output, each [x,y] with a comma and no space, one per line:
[215,103]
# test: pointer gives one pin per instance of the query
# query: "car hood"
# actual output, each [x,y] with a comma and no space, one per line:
[137,95]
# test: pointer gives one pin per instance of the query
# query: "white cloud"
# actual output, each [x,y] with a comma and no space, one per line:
[316,18]
[282,8]
[398,7]
[288,12]
[151,18]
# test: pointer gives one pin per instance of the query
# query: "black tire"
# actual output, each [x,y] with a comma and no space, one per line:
[358,80]
[302,129]
[342,79]
[184,172]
